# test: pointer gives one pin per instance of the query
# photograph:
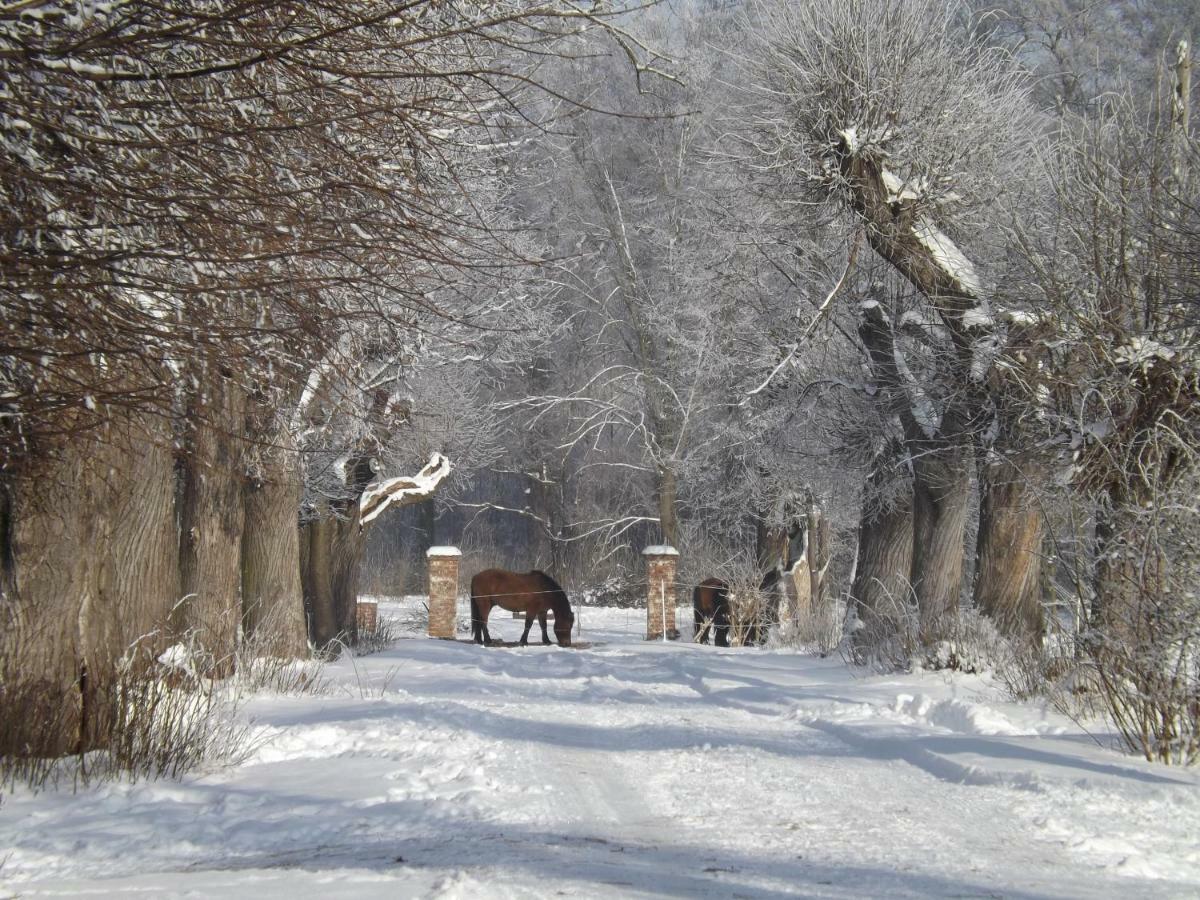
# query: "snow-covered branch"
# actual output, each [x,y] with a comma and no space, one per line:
[404,490]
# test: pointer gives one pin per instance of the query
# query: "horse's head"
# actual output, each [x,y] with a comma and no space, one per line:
[564,621]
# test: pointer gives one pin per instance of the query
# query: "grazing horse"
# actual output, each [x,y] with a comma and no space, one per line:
[533,593]
[710,604]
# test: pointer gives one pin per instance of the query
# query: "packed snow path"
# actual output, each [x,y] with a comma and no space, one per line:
[442,769]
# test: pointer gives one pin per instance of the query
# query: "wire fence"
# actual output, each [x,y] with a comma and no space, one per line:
[754,616]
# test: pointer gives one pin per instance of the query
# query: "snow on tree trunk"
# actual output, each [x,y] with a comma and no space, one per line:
[817,556]
[402,491]
[904,237]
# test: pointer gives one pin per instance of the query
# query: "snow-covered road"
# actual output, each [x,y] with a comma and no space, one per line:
[628,769]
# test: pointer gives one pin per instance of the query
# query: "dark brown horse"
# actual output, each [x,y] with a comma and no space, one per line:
[533,593]
[710,605]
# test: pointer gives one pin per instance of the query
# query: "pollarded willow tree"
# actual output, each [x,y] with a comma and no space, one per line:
[1121,273]
[894,114]
[200,200]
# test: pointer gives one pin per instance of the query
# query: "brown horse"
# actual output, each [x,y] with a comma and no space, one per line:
[533,593]
[710,605]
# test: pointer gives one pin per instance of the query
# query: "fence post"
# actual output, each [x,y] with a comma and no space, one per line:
[367,616]
[661,563]
[443,590]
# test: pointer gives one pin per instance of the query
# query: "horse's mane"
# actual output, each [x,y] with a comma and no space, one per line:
[558,597]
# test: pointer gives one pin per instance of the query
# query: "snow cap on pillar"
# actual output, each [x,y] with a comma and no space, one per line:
[660,550]
[443,551]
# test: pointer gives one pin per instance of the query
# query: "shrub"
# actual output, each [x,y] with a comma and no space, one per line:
[385,634]
[161,719]
[889,639]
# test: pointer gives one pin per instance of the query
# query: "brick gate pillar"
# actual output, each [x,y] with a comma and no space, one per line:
[443,590]
[367,616]
[661,563]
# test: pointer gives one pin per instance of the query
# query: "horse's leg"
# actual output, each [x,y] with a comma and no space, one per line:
[476,622]
[486,611]
[528,625]
[542,622]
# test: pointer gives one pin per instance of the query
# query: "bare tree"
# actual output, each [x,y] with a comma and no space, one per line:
[635,287]
[891,111]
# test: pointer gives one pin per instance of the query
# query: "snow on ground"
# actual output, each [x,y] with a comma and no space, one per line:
[626,768]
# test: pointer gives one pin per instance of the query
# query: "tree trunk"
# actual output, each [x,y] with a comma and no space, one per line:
[941,497]
[211,518]
[665,492]
[898,231]
[90,575]
[272,596]
[345,565]
[332,557]
[817,554]
[58,536]
[331,565]
[428,511]
[771,544]
[881,592]
[548,506]
[940,484]
[1008,574]
[139,582]
[316,549]
[1130,568]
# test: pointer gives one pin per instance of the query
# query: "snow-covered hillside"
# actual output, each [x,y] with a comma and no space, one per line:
[626,768]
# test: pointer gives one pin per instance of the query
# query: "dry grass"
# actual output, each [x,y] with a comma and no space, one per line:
[157,720]
[384,636]
[151,722]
